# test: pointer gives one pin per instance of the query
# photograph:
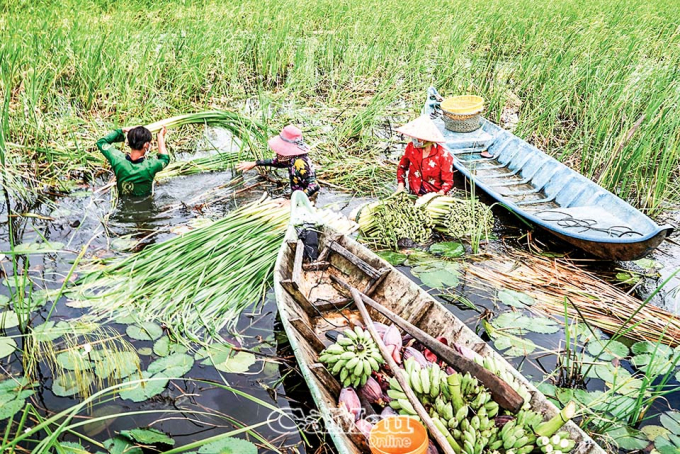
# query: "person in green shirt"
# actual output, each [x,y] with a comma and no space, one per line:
[134,171]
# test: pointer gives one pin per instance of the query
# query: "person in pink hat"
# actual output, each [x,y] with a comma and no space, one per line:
[428,165]
[291,153]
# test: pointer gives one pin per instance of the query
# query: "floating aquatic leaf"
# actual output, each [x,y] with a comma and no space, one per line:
[611,374]
[214,353]
[74,360]
[7,346]
[119,445]
[671,421]
[652,365]
[147,331]
[605,350]
[79,304]
[228,446]
[653,432]
[13,395]
[628,438]
[8,319]
[4,300]
[627,277]
[515,299]
[648,264]
[441,278]
[238,363]
[48,331]
[448,249]
[516,346]
[175,365]
[646,347]
[144,390]
[38,248]
[392,257]
[417,258]
[100,423]
[123,244]
[163,347]
[117,365]
[70,383]
[147,436]
[543,325]
[69,447]
[511,322]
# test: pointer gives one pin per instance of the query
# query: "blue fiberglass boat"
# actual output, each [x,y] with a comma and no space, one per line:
[547,193]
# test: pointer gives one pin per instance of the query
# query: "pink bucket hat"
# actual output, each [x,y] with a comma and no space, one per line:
[424,129]
[289,142]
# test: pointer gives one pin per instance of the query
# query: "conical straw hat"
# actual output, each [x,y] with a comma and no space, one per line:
[424,129]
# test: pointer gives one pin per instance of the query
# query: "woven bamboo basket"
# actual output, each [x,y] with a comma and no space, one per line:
[462,113]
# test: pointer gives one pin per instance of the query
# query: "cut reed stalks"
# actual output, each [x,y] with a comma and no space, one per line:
[549,281]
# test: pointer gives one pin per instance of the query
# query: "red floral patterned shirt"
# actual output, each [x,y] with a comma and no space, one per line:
[432,174]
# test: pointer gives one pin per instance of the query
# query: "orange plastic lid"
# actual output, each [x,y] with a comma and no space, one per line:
[398,435]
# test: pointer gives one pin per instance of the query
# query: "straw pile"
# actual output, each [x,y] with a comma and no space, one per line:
[549,281]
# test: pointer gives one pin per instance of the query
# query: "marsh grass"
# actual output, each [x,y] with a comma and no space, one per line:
[596,83]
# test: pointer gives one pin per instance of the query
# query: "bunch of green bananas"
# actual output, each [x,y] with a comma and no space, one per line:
[353,357]
[517,436]
[557,444]
[426,383]
[492,365]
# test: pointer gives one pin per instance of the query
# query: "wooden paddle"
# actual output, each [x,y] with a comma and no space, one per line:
[400,375]
[501,392]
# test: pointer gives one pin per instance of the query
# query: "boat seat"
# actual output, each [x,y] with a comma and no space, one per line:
[536,202]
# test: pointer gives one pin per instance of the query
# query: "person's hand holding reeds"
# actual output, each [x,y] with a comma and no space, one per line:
[245,166]
[160,137]
[400,187]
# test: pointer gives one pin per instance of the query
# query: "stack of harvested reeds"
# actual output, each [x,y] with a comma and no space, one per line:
[458,217]
[549,281]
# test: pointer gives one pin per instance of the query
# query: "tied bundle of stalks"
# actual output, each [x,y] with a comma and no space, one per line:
[457,217]
[386,222]
[201,280]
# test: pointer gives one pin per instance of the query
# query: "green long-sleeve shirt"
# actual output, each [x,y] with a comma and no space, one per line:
[132,178]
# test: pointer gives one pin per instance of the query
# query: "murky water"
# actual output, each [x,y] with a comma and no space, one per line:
[89,218]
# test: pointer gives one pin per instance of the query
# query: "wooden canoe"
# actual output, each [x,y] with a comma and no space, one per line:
[311,303]
[547,193]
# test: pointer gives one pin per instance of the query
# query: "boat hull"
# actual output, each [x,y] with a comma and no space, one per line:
[549,194]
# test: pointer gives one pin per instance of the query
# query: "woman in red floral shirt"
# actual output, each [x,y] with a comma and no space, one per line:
[429,166]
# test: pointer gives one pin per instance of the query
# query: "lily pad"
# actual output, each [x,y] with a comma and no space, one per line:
[606,350]
[238,363]
[228,446]
[175,365]
[646,347]
[117,365]
[147,436]
[38,248]
[515,346]
[70,384]
[628,438]
[144,390]
[74,360]
[648,264]
[515,299]
[511,322]
[652,365]
[100,423]
[653,432]
[626,277]
[7,346]
[417,258]
[163,347]
[69,447]
[8,319]
[13,395]
[120,445]
[671,421]
[48,331]
[543,325]
[214,353]
[448,249]
[123,244]
[148,331]
[392,257]
[439,278]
